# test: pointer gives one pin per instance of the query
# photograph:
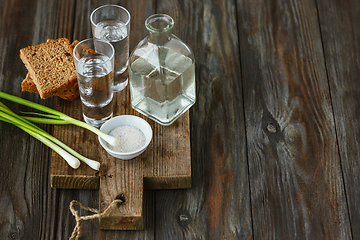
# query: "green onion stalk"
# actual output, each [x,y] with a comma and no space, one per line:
[56,117]
[70,155]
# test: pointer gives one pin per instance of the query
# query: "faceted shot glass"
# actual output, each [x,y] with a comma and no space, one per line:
[112,23]
[94,62]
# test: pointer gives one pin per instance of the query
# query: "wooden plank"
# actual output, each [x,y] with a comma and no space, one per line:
[28,204]
[218,204]
[157,166]
[297,189]
[167,158]
[341,39]
[82,141]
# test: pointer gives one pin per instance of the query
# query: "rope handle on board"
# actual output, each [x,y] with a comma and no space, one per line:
[77,230]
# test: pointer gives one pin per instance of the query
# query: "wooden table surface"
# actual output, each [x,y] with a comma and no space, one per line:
[275,131]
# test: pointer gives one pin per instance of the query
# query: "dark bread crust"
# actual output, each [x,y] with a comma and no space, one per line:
[28,85]
[51,69]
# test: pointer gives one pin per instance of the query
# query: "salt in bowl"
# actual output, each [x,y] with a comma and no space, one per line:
[126,120]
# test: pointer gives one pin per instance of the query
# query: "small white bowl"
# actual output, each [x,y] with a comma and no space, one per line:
[126,120]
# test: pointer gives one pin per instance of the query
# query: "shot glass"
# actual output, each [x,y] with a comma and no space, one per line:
[112,23]
[94,63]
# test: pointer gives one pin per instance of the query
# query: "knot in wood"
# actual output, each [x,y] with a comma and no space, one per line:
[271,128]
[13,236]
[183,218]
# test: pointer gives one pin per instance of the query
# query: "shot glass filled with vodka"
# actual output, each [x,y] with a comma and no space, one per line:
[112,23]
[94,62]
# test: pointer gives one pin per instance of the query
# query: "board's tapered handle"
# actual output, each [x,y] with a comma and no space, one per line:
[126,186]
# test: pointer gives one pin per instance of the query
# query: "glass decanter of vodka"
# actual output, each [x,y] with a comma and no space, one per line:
[162,73]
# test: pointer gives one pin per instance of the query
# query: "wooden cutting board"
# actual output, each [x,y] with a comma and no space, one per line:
[166,164]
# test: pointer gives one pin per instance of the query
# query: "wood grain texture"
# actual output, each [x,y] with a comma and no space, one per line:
[82,141]
[78,182]
[290,172]
[82,30]
[166,162]
[296,182]
[341,39]
[28,204]
[218,204]
[122,179]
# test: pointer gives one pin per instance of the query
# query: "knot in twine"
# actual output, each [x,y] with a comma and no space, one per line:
[77,230]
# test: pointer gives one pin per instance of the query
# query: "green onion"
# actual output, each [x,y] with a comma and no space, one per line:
[70,159]
[70,156]
[59,116]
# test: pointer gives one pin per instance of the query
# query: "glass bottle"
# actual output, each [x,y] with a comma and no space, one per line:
[162,73]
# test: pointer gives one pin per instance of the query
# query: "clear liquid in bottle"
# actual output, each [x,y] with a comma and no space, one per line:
[162,79]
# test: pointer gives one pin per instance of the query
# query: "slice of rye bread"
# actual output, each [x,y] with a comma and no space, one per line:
[51,66]
[70,93]
[28,85]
